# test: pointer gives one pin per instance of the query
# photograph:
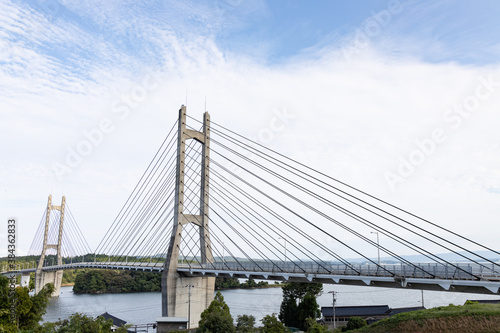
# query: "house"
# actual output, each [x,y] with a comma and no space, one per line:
[117,322]
[485,301]
[371,313]
[169,324]
[392,312]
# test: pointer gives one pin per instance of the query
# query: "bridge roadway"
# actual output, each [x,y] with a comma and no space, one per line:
[471,279]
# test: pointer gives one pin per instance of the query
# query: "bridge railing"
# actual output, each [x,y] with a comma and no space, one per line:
[426,271]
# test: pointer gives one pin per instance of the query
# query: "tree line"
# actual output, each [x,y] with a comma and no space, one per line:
[111,281]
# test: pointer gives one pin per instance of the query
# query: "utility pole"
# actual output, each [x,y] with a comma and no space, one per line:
[378,246]
[189,307]
[285,247]
[423,298]
[333,308]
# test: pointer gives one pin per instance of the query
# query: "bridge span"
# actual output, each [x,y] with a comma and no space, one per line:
[469,278]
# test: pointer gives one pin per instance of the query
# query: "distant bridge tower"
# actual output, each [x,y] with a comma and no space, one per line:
[174,292]
[43,277]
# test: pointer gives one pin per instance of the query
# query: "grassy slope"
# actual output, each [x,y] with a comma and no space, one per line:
[452,318]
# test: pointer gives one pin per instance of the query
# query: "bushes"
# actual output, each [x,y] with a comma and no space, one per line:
[108,281]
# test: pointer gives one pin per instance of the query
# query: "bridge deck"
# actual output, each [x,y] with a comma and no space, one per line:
[470,278]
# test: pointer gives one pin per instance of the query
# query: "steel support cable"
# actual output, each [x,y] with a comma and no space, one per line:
[69,233]
[260,238]
[171,203]
[137,257]
[38,236]
[359,191]
[163,242]
[291,241]
[159,241]
[140,216]
[216,237]
[245,239]
[189,198]
[239,248]
[54,231]
[132,196]
[189,163]
[300,216]
[136,193]
[357,217]
[188,146]
[186,244]
[353,215]
[78,231]
[132,223]
[226,199]
[142,250]
[124,248]
[334,221]
[296,229]
[211,247]
[123,245]
[69,239]
[231,240]
[237,233]
[157,225]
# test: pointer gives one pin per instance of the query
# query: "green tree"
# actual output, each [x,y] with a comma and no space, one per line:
[28,309]
[289,312]
[355,323]
[308,308]
[299,303]
[216,318]
[245,324]
[271,324]
[315,327]
[79,323]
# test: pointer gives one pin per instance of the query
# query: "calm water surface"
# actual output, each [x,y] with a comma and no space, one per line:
[141,308]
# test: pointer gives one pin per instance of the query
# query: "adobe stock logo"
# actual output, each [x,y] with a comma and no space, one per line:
[454,117]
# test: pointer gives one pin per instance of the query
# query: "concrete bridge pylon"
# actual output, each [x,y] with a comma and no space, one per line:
[189,296]
[43,278]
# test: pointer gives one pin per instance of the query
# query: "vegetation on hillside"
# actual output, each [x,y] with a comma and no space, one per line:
[112,281]
[471,317]
[234,283]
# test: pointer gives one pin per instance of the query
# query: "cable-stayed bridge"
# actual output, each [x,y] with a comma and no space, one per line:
[213,203]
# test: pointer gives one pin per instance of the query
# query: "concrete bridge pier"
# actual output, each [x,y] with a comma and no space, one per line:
[190,297]
[25,280]
[43,278]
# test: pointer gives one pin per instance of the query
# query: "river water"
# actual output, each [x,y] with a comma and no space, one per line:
[142,308]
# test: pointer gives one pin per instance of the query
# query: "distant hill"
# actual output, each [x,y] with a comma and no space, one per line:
[417,258]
